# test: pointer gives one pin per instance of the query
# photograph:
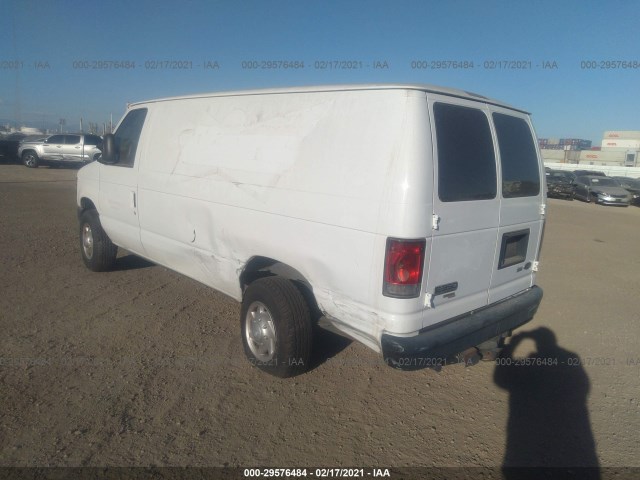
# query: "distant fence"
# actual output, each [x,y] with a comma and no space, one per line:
[617,171]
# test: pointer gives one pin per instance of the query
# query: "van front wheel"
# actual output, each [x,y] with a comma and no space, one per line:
[276,327]
[98,252]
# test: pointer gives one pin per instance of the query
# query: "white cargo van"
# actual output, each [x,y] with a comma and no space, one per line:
[407,217]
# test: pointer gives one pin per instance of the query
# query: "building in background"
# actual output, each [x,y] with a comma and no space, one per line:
[621,140]
[617,149]
[564,143]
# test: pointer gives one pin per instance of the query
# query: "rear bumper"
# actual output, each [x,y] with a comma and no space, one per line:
[435,345]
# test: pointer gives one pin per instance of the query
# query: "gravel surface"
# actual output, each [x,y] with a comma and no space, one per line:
[144,367]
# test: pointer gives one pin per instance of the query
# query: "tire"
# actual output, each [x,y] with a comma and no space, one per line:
[276,327]
[98,252]
[30,159]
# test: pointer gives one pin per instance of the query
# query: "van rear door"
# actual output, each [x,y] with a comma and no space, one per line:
[466,208]
[522,204]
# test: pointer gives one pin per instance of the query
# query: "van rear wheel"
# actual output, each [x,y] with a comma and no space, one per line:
[276,327]
[98,252]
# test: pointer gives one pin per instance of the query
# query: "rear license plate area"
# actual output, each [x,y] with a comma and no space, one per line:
[513,249]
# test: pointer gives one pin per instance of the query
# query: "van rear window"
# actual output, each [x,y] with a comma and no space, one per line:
[520,171]
[466,159]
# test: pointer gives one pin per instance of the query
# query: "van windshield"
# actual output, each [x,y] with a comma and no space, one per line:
[520,173]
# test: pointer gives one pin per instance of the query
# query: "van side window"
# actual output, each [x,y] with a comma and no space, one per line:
[520,174]
[127,136]
[466,160]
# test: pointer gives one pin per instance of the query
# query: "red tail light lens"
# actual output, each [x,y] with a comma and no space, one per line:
[403,266]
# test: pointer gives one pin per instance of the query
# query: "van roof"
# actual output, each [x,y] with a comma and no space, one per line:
[341,88]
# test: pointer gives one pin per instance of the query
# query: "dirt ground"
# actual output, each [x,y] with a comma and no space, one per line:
[144,367]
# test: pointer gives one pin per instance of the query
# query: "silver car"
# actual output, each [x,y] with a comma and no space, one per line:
[58,149]
[602,190]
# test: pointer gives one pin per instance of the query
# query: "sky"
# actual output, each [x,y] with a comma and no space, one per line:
[574,64]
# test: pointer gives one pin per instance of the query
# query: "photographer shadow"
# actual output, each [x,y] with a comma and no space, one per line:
[548,422]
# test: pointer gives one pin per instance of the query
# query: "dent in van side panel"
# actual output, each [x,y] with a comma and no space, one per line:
[303,201]
[404,212]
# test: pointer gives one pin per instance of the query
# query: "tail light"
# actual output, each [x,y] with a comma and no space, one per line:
[403,266]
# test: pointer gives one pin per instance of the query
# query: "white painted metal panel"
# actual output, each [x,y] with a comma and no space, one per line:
[308,179]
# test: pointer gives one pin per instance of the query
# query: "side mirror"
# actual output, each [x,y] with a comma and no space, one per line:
[109,154]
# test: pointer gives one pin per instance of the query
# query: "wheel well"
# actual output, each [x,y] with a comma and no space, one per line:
[86,204]
[30,150]
[260,267]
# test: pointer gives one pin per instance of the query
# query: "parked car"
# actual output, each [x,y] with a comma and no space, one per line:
[570,176]
[60,149]
[386,213]
[560,185]
[8,150]
[632,185]
[603,190]
[9,146]
[582,173]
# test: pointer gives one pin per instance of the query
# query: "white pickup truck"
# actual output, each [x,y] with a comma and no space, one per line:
[407,217]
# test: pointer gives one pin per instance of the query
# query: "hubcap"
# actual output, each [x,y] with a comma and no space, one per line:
[87,240]
[260,332]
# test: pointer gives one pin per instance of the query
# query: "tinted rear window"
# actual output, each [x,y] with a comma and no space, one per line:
[466,160]
[520,172]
